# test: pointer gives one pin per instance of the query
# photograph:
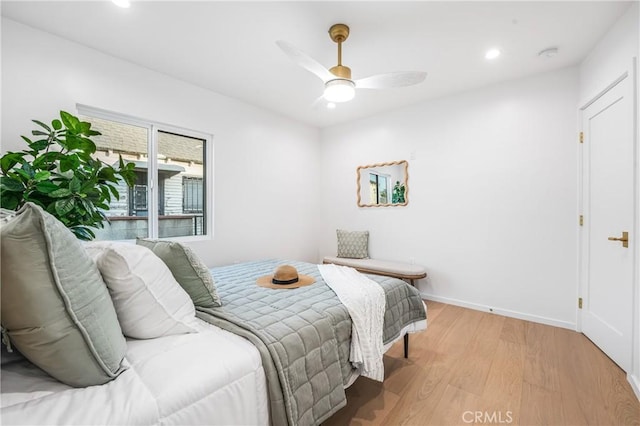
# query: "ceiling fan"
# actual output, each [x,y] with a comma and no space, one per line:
[338,84]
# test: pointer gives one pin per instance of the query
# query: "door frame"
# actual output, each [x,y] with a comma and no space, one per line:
[583,231]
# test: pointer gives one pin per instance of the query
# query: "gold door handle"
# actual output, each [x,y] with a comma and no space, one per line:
[624,239]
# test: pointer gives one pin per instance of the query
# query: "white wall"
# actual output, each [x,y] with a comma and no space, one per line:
[492,194]
[266,166]
[611,57]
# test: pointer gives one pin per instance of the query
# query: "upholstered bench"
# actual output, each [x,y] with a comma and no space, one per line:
[404,271]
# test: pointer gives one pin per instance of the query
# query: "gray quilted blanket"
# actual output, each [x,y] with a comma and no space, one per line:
[303,334]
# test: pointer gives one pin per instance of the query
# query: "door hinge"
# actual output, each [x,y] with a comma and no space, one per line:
[581,137]
[579,302]
[581,220]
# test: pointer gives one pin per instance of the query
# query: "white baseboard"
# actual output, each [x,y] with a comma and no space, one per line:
[634,381]
[504,312]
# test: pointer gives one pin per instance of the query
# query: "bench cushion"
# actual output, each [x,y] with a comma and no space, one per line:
[381,267]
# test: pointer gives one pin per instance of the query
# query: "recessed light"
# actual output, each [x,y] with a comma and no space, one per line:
[492,54]
[548,53]
[331,105]
[122,3]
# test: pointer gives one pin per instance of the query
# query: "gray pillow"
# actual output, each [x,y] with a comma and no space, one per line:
[353,244]
[190,272]
[55,307]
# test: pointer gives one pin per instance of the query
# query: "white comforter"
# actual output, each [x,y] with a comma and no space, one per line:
[209,377]
[365,301]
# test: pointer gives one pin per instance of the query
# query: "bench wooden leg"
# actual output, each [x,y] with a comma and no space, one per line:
[406,345]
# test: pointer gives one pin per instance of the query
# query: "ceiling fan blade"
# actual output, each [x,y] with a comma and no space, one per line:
[305,61]
[319,102]
[390,80]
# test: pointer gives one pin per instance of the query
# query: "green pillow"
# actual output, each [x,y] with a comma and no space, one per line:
[353,244]
[56,309]
[190,272]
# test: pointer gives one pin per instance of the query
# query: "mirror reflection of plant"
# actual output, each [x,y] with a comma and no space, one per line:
[59,174]
[397,197]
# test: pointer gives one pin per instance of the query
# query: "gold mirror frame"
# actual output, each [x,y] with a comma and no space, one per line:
[377,165]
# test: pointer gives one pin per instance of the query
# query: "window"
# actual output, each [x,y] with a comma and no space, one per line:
[192,195]
[379,188]
[138,200]
[172,165]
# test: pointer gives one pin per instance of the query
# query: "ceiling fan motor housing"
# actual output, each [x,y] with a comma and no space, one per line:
[341,71]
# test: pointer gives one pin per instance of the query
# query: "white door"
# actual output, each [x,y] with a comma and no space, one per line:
[608,207]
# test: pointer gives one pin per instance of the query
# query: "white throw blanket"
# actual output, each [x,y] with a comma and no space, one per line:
[365,301]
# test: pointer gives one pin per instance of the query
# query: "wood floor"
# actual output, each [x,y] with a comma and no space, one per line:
[472,367]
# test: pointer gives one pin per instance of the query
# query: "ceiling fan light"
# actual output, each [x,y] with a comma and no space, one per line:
[339,90]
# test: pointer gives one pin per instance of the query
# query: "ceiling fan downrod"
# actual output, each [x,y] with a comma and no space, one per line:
[339,33]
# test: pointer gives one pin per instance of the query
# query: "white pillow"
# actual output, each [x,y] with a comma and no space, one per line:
[149,302]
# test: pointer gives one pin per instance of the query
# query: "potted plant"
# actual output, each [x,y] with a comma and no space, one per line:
[59,173]
[397,196]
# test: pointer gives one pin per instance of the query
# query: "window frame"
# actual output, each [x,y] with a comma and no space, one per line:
[153,127]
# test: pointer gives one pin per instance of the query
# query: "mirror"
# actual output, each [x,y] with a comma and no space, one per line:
[383,184]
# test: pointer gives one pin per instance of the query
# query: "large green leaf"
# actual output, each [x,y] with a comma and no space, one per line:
[46,187]
[9,184]
[83,233]
[87,145]
[69,162]
[108,173]
[64,206]
[42,175]
[59,193]
[9,160]
[28,169]
[74,185]
[72,142]
[41,124]
[9,200]
[68,120]
[39,145]
[46,158]
[129,177]
[106,195]
[114,191]
[26,176]
[84,127]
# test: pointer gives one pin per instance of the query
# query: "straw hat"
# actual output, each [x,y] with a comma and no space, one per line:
[285,276]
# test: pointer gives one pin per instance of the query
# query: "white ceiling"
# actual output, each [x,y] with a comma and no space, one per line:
[229,47]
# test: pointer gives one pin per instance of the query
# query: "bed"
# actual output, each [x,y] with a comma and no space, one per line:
[173,380]
[265,357]
[304,335]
